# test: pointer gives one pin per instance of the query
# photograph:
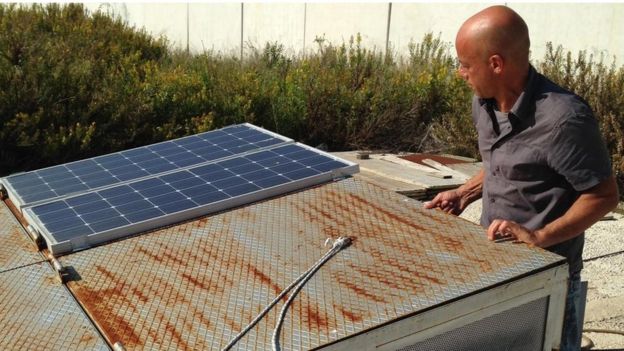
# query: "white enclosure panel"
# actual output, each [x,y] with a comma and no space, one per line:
[215,27]
[338,22]
[280,23]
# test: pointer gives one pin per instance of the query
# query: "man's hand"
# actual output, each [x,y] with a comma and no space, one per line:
[455,201]
[448,201]
[501,228]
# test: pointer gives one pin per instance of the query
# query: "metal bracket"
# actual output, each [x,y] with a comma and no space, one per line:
[36,237]
[63,274]
[3,192]
[118,346]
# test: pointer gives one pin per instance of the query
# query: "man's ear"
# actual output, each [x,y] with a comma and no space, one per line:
[496,63]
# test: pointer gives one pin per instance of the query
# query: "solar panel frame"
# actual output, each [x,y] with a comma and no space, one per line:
[125,172]
[155,220]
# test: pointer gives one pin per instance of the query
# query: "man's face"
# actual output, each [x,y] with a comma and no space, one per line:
[474,68]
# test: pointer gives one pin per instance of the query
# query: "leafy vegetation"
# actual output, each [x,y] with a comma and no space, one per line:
[76,85]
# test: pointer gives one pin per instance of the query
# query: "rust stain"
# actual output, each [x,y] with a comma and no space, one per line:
[172,258]
[149,254]
[210,286]
[200,316]
[113,326]
[433,217]
[387,213]
[265,279]
[233,325]
[359,290]
[87,339]
[171,329]
[139,294]
[315,319]
[353,317]
[402,269]
[50,280]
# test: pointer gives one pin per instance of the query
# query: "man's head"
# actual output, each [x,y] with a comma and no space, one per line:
[493,50]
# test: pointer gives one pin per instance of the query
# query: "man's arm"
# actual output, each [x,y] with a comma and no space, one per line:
[590,206]
[455,201]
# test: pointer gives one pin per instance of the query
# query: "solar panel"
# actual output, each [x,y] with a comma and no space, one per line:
[98,215]
[27,189]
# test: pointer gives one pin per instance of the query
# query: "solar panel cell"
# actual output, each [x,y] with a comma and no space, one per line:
[50,207]
[63,223]
[83,199]
[328,166]
[209,198]
[163,199]
[91,207]
[46,172]
[124,199]
[115,191]
[110,223]
[135,206]
[57,215]
[268,142]
[245,188]
[187,183]
[71,188]
[39,196]
[172,207]
[229,182]
[218,175]
[73,232]
[177,176]
[197,190]
[301,173]
[271,181]
[147,183]
[144,215]
[259,174]
[98,216]
[100,182]
[157,190]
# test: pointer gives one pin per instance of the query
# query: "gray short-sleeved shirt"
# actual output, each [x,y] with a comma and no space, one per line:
[539,157]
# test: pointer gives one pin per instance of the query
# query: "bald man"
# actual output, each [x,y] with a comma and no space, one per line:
[546,173]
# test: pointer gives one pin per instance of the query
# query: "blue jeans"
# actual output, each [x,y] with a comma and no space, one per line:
[572,323]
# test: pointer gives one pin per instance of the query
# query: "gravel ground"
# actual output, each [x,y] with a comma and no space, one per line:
[604,270]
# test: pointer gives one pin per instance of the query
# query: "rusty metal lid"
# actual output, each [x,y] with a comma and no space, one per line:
[197,284]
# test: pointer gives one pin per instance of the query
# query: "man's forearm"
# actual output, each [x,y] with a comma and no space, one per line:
[472,189]
[591,205]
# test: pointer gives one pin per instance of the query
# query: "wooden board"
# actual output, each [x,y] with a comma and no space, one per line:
[400,173]
[417,166]
[410,190]
[469,169]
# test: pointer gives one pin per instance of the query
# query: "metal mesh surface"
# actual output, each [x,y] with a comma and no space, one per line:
[195,285]
[38,313]
[16,248]
[517,329]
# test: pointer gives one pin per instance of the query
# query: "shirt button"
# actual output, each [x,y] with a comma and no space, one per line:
[492,200]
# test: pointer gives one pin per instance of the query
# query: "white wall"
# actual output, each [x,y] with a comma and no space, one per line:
[595,27]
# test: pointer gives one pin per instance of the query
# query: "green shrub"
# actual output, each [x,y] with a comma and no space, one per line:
[71,84]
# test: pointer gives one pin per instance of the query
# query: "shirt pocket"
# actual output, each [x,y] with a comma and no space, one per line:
[518,161]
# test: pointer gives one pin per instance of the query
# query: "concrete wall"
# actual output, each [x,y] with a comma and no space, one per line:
[233,28]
